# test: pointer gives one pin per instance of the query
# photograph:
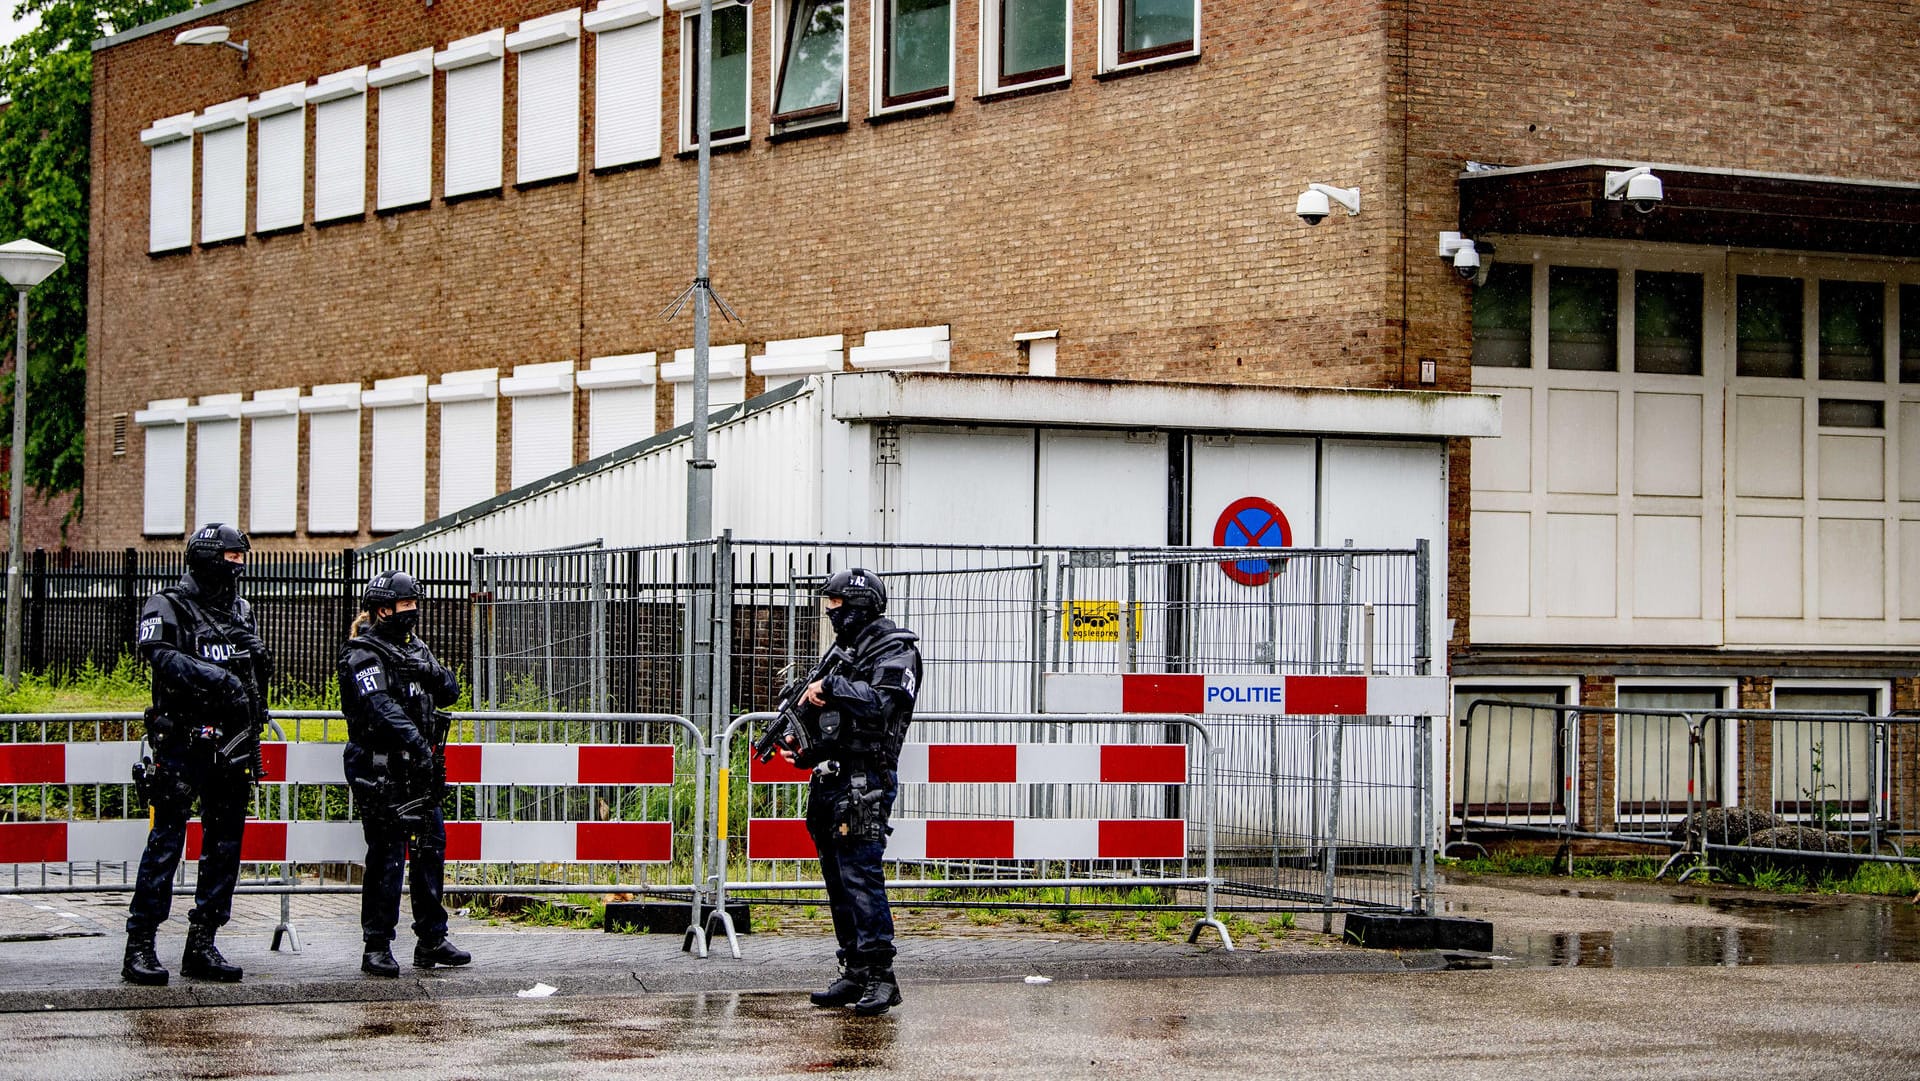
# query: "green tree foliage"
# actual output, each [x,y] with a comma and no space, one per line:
[45,132]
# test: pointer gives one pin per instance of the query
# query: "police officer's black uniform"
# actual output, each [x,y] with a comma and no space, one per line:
[209,682]
[854,783]
[390,687]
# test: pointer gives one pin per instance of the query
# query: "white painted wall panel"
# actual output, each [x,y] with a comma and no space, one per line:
[164,507]
[170,196]
[627,83]
[1502,558]
[1505,463]
[405,170]
[1908,420]
[399,474]
[1768,446]
[1767,567]
[223,183]
[1102,488]
[1278,470]
[548,119]
[1909,593]
[1666,567]
[216,472]
[340,158]
[1389,495]
[282,171]
[469,453]
[1853,467]
[1666,444]
[1582,565]
[1853,561]
[969,486]
[1583,439]
[474,127]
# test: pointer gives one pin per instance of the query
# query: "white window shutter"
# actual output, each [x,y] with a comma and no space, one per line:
[399,474]
[475,86]
[273,460]
[340,145]
[726,380]
[164,509]
[223,172]
[626,109]
[542,436]
[469,453]
[216,459]
[620,417]
[282,170]
[333,458]
[170,186]
[548,119]
[405,166]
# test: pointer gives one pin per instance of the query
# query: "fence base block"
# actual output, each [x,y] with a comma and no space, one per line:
[1383,932]
[665,917]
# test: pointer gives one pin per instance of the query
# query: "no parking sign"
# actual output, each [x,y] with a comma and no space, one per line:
[1252,522]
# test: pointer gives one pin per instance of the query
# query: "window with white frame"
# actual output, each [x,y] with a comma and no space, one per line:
[281,173]
[1024,43]
[1507,755]
[164,498]
[626,82]
[1142,31]
[922,348]
[273,460]
[732,74]
[726,380]
[475,89]
[1822,768]
[404,170]
[547,121]
[223,171]
[913,52]
[333,458]
[398,499]
[1656,761]
[169,146]
[620,401]
[339,145]
[789,360]
[216,459]
[810,67]
[469,437]
[542,397]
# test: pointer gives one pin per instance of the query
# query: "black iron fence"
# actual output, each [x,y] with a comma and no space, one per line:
[82,606]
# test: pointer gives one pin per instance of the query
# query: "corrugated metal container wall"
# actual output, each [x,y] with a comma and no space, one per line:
[766,485]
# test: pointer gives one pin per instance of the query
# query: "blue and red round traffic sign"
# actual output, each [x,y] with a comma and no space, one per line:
[1252,522]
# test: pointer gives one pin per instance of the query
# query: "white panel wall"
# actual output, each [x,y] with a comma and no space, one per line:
[548,118]
[475,85]
[627,83]
[340,145]
[281,173]
[164,500]
[621,404]
[223,171]
[404,173]
[726,379]
[1102,488]
[333,458]
[216,459]
[273,460]
[170,184]
[399,474]
[965,486]
[469,437]
[542,420]
[1280,471]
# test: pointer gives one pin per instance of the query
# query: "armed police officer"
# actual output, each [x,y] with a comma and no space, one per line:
[865,708]
[210,672]
[392,689]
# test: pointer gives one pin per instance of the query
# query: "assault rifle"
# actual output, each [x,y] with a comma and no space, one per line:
[798,728]
[416,791]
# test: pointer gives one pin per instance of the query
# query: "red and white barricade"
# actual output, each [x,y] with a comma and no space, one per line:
[1004,838]
[1242,694]
[320,763]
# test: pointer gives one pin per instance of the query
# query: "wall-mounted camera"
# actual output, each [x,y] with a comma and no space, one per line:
[1316,203]
[1638,186]
[1469,260]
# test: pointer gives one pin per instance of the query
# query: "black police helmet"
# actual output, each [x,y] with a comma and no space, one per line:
[858,587]
[210,543]
[387,589]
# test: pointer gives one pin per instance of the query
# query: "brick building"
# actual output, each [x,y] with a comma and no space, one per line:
[391,215]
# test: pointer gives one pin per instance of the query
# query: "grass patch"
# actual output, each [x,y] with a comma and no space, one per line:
[1862,879]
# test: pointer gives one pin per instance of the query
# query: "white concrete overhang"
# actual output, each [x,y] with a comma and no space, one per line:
[961,398]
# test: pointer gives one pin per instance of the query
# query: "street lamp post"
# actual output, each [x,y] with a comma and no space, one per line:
[23,264]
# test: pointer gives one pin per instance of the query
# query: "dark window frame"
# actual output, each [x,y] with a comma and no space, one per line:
[890,100]
[1123,56]
[838,108]
[690,42]
[1003,80]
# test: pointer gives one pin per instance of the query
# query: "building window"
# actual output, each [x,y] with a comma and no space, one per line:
[216,458]
[542,397]
[1503,317]
[405,164]
[1822,768]
[548,120]
[273,449]
[732,74]
[1847,413]
[469,437]
[1852,322]
[281,177]
[1768,331]
[916,43]
[620,401]
[1029,42]
[1655,758]
[726,380]
[1910,334]
[333,458]
[813,62]
[339,145]
[626,87]
[223,171]
[399,497]
[1666,322]
[1583,318]
[170,186]
[475,86]
[1507,755]
[1143,30]
[164,500]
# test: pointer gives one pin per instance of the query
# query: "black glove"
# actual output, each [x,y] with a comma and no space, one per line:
[256,647]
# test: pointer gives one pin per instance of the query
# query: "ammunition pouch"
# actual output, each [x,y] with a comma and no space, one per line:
[860,813]
[162,787]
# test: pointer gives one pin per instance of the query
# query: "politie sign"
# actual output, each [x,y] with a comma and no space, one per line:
[1270,695]
[1252,522]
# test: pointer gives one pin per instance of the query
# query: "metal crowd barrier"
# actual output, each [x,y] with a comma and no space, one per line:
[998,845]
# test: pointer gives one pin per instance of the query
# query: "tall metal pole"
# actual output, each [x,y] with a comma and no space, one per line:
[699,466]
[17,466]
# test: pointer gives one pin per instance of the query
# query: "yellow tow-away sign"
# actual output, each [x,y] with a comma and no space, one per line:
[1096,621]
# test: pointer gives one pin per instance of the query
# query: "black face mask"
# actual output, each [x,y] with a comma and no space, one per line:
[847,619]
[219,577]
[397,627]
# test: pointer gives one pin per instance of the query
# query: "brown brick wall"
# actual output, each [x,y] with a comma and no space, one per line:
[1147,217]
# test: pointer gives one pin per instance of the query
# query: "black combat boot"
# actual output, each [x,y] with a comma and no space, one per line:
[443,952]
[881,993]
[202,961]
[142,965]
[378,960]
[844,990]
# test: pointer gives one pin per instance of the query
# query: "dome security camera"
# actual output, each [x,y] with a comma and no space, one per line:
[1639,187]
[1313,207]
[1466,261]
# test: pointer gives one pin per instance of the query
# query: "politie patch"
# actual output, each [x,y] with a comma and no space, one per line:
[371,678]
[150,628]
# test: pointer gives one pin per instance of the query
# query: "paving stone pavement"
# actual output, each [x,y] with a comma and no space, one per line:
[81,969]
